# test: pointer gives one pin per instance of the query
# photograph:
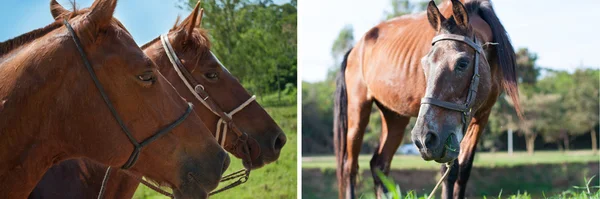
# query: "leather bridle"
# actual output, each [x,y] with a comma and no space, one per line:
[465,108]
[137,146]
[225,122]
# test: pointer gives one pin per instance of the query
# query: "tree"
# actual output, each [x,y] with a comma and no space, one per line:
[527,72]
[255,39]
[342,44]
[582,104]
[403,7]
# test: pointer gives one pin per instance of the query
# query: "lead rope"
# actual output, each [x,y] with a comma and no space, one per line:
[449,167]
[104,181]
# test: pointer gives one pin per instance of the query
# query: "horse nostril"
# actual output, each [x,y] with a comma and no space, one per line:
[431,140]
[279,142]
[418,143]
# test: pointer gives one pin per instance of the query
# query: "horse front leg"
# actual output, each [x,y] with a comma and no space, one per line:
[392,131]
[467,152]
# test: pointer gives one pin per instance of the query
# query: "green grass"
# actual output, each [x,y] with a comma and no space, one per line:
[577,192]
[487,160]
[275,180]
[543,174]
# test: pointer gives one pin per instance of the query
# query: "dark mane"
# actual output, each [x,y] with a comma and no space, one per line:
[20,40]
[505,54]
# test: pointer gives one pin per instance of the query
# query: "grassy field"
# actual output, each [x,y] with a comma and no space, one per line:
[488,160]
[276,180]
[543,175]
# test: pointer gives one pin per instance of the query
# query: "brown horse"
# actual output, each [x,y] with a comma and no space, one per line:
[55,85]
[85,177]
[431,66]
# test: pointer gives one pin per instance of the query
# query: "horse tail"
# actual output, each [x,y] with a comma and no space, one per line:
[505,53]
[340,123]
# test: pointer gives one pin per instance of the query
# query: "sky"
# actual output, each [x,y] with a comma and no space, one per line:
[564,34]
[145,19]
[557,31]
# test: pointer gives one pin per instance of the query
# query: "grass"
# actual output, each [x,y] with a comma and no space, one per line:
[576,192]
[487,160]
[546,174]
[275,180]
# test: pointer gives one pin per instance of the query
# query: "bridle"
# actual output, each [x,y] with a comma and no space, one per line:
[465,108]
[137,146]
[225,121]
[223,124]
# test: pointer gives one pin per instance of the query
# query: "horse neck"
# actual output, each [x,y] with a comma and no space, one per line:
[29,77]
[165,66]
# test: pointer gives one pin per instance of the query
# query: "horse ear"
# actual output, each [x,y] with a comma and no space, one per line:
[434,16]
[460,13]
[57,10]
[191,21]
[199,20]
[175,26]
[102,11]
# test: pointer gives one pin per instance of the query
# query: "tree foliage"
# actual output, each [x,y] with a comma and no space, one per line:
[255,39]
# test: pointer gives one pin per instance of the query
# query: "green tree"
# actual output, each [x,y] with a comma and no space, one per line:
[403,7]
[255,39]
[527,71]
[342,44]
[582,104]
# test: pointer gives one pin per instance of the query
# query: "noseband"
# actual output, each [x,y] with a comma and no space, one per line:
[225,122]
[465,108]
[137,146]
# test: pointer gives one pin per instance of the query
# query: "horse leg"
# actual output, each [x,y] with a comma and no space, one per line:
[448,183]
[358,118]
[392,132]
[467,152]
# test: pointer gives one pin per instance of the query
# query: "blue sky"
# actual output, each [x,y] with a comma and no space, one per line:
[145,19]
[564,34]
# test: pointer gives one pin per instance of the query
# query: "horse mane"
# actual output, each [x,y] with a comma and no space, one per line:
[23,39]
[505,52]
[11,44]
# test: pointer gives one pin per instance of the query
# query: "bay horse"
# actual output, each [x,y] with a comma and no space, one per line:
[82,178]
[87,90]
[446,67]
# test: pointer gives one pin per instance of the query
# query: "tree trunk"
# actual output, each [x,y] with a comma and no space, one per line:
[530,143]
[566,141]
[560,147]
[594,141]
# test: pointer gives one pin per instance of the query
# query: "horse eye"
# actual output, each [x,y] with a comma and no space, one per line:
[147,77]
[211,76]
[462,65]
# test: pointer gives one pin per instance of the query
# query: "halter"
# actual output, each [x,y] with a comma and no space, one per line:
[225,121]
[137,146]
[465,108]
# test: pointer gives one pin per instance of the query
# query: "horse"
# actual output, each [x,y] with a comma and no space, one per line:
[81,88]
[193,49]
[446,67]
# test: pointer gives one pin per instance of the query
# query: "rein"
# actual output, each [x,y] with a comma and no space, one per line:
[137,146]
